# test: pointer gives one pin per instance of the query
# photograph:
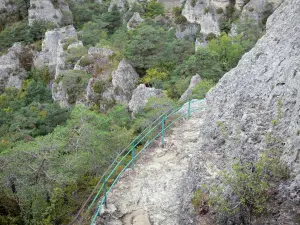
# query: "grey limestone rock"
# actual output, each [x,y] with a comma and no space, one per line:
[52,54]
[11,71]
[187,31]
[196,13]
[135,20]
[140,97]
[263,88]
[124,81]
[45,10]
[188,93]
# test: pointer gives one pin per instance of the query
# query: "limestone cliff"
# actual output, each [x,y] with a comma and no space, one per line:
[260,96]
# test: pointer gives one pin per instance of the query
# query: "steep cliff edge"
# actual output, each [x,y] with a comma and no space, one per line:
[258,98]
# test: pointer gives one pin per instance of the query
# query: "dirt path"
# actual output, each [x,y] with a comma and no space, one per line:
[150,193]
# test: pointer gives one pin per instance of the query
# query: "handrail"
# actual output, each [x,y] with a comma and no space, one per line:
[161,123]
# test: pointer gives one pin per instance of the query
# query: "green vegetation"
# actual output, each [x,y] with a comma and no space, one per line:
[51,175]
[74,82]
[249,184]
[21,32]
[28,113]
[154,8]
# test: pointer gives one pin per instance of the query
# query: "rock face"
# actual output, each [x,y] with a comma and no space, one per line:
[187,31]
[188,93]
[11,71]
[260,96]
[52,54]
[141,95]
[124,81]
[257,10]
[135,20]
[45,10]
[200,12]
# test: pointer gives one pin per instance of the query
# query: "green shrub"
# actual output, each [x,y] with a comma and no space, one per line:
[225,25]
[180,19]
[26,58]
[200,200]
[193,2]
[74,82]
[202,88]
[210,36]
[99,86]
[74,54]
[249,183]
[219,10]
[176,11]
[86,61]
[206,10]
[154,8]
[67,18]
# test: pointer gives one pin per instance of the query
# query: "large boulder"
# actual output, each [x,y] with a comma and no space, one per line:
[12,72]
[188,92]
[56,12]
[52,54]
[124,80]
[140,97]
[201,12]
[135,20]
[258,99]
[187,31]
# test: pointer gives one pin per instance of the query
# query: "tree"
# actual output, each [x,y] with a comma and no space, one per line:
[145,47]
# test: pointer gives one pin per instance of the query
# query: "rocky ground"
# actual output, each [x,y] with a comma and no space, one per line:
[151,194]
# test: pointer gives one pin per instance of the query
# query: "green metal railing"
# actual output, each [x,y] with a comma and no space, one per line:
[130,154]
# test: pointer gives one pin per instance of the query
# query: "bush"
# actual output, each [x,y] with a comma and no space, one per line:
[193,2]
[99,86]
[74,82]
[202,88]
[146,45]
[180,19]
[26,58]
[154,8]
[74,54]
[86,61]
[176,11]
[67,18]
[210,36]
[155,77]
[249,184]
[219,10]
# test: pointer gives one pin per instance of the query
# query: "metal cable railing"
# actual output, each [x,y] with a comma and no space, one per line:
[129,155]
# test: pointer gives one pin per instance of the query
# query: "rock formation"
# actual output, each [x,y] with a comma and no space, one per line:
[52,54]
[200,12]
[188,93]
[124,81]
[140,97]
[258,98]
[11,69]
[135,20]
[46,10]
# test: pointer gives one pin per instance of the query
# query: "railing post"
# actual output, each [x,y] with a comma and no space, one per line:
[105,193]
[189,109]
[163,130]
[132,154]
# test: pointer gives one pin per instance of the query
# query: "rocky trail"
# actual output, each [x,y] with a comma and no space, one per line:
[151,193]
